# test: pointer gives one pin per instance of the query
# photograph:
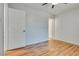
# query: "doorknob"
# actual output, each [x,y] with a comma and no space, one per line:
[24,30]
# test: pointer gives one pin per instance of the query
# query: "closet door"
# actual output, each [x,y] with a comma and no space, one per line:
[16,29]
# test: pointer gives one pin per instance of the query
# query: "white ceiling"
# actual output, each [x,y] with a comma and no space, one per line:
[59,8]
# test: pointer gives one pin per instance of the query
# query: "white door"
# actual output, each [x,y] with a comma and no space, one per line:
[16,29]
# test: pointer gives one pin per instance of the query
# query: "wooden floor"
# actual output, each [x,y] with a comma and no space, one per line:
[59,48]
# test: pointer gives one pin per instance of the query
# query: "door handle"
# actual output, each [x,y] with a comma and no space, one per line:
[24,30]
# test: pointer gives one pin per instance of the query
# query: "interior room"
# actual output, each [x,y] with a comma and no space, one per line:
[42,29]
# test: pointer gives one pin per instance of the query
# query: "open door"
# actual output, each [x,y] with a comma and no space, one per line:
[51,31]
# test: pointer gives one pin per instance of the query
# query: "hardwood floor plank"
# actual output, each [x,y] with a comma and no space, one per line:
[57,48]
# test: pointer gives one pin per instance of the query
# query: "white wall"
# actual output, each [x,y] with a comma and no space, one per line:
[6,23]
[36,26]
[67,26]
[1,28]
